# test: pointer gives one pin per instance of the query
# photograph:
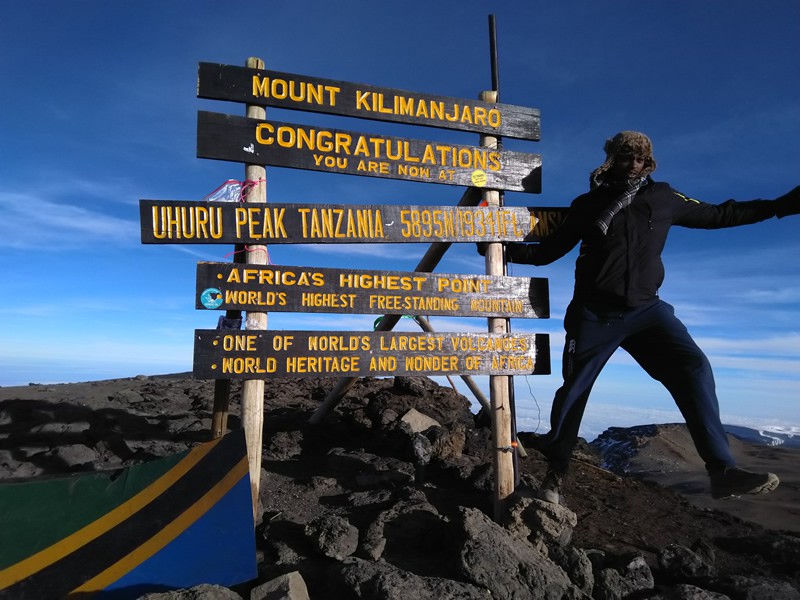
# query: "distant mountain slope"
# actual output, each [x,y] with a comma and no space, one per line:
[770,437]
[665,454]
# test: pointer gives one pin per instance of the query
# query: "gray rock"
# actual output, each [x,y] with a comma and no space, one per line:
[758,588]
[373,542]
[448,442]
[382,581]
[679,563]
[413,520]
[127,397]
[498,560]
[332,536]
[384,477]
[413,386]
[576,564]
[199,592]
[542,523]
[369,498]
[633,575]
[326,484]
[74,455]
[63,428]
[283,445]
[283,554]
[685,591]
[421,449]
[371,470]
[780,548]
[290,586]
[418,422]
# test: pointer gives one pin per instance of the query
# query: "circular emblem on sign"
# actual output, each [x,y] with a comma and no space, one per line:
[211,298]
[478,178]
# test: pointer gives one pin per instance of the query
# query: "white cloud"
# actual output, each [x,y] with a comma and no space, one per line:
[780,346]
[32,222]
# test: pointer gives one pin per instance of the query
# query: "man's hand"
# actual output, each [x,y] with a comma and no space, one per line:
[788,204]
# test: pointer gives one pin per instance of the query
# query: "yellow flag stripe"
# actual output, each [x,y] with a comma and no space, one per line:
[170,532]
[52,554]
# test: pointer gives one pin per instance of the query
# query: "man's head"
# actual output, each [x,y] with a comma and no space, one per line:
[629,155]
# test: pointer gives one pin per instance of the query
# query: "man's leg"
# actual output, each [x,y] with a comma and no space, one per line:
[590,342]
[661,344]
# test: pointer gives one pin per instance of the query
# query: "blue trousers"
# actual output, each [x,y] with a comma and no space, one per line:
[660,343]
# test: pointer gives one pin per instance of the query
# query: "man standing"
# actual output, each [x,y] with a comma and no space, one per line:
[622,225]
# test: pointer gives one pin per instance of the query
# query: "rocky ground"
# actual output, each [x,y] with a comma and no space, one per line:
[379,502]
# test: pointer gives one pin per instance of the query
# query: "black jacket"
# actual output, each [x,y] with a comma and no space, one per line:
[624,268]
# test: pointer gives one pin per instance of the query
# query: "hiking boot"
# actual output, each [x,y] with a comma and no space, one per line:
[550,490]
[734,482]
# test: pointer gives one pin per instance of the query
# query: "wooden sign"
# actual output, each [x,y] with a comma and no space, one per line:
[235,354]
[314,94]
[253,141]
[545,221]
[227,286]
[193,222]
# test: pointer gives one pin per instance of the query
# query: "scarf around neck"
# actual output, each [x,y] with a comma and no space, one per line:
[628,188]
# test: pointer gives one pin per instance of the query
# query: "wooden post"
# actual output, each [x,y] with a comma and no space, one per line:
[222,387]
[253,389]
[498,384]
[219,416]
[426,264]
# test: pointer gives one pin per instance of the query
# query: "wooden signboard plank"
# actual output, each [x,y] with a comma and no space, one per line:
[255,141]
[227,286]
[198,222]
[236,354]
[545,221]
[315,94]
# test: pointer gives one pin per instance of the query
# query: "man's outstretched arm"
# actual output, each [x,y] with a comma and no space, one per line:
[788,204]
[550,249]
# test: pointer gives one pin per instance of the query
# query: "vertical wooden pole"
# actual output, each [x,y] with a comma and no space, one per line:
[253,389]
[498,384]
[219,416]
[222,387]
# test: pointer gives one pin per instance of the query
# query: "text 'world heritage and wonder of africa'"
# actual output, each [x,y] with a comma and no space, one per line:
[239,354]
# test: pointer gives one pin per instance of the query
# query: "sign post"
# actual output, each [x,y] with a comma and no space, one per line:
[192,222]
[254,354]
[278,288]
[498,384]
[280,144]
[253,389]
[288,353]
[363,101]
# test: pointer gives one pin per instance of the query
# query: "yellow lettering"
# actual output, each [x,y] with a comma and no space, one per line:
[296,91]
[361,100]
[260,138]
[187,222]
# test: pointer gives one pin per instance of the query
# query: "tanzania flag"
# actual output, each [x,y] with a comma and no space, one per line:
[171,523]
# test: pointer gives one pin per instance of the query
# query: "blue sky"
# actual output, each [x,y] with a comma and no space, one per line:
[99,110]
